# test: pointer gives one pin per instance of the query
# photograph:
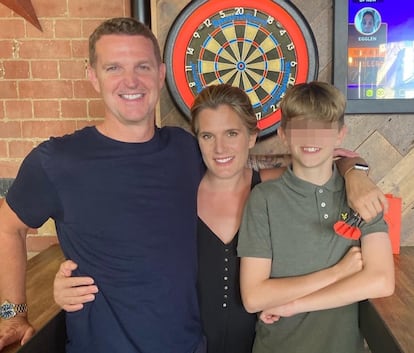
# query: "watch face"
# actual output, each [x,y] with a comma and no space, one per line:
[263,47]
[7,311]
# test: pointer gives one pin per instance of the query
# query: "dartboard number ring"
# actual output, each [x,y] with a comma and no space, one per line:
[263,47]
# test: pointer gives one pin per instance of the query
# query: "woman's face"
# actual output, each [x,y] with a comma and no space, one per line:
[224,141]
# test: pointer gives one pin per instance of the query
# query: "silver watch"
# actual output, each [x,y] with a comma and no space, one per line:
[9,310]
[360,166]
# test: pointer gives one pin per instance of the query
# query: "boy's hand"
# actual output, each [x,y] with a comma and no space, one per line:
[350,264]
[268,318]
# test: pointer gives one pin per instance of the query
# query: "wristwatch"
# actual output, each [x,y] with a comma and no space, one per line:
[9,310]
[363,167]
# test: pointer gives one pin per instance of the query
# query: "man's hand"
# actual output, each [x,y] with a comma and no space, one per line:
[14,330]
[364,196]
[72,292]
[345,153]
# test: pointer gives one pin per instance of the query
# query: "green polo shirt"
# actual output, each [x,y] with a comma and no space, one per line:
[291,222]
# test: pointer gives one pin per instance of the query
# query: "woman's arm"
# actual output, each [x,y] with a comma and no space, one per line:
[71,293]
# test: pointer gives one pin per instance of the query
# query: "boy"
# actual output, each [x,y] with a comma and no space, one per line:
[304,278]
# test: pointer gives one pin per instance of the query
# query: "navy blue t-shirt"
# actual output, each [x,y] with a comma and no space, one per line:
[126,213]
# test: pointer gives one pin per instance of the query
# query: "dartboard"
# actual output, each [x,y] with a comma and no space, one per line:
[261,46]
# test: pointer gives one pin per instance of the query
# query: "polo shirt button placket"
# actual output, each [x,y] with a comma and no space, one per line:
[323,205]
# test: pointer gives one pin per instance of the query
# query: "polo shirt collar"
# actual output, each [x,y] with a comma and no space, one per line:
[305,188]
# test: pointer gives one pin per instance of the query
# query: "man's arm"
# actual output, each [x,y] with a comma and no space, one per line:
[268,161]
[363,195]
[259,292]
[13,261]
[376,279]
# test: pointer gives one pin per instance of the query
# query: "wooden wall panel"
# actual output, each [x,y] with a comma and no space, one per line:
[385,141]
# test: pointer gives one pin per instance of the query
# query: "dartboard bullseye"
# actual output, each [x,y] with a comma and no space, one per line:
[263,47]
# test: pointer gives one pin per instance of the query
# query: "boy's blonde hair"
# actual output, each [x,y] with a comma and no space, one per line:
[319,101]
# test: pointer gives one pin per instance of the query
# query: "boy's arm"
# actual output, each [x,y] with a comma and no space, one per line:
[376,279]
[12,275]
[259,292]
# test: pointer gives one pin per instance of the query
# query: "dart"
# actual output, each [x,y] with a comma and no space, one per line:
[349,228]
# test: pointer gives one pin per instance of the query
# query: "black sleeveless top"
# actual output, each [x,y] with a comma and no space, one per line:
[227,325]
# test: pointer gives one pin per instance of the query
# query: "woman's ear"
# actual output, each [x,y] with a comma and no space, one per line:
[252,140]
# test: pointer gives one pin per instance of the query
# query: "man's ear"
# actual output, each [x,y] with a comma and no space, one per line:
[162,73]
[93,78]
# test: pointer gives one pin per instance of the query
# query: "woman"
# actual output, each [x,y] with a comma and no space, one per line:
[224,123]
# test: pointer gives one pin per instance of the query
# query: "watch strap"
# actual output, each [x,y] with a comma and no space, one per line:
[20,308]
[9,310]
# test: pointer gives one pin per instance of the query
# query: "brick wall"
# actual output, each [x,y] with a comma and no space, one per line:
[43,87]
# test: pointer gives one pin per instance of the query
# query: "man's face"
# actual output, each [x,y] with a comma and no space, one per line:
[128,77]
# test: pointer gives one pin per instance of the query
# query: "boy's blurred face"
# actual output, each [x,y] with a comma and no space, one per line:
[312,142]
[311,132]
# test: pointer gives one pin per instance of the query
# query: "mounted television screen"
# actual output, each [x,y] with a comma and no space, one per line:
[379,54]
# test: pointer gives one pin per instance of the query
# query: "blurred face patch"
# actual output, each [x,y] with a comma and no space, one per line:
[311,132]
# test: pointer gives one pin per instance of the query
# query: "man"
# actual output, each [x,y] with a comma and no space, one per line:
[123,196]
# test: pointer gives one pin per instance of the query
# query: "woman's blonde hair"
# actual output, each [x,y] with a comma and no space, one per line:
[213,96]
